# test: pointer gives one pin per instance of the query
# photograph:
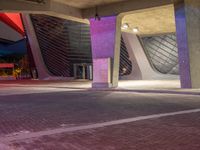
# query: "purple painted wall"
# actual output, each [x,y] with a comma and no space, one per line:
[103,37]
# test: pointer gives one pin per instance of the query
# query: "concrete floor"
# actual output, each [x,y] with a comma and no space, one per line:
[150,84]
[49,115]
[147,86]
[134,84]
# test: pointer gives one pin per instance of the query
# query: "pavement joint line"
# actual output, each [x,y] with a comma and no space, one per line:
[24,136]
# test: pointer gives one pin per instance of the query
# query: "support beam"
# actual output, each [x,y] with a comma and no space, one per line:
[124,7]
[42,71]
[187,14]
[66,12]
[105,37]
[65,9]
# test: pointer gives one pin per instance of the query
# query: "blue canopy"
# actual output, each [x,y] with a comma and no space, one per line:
[18,47]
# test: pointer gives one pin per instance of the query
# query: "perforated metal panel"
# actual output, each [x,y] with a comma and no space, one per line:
[162,52]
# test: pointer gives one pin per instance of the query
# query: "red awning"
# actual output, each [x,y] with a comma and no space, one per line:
[6,65]
[13,20]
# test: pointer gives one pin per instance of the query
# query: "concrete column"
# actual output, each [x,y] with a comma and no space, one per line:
[105,38]
[35,48]
[187,14]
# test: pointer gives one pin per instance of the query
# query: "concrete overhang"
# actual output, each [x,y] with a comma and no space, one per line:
[79,10]
[152,21]
[49,8]
[123,8]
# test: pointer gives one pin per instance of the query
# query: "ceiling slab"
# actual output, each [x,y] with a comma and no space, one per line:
[87,3]
[153,21]
[123,7]
[81,9]
[50,7]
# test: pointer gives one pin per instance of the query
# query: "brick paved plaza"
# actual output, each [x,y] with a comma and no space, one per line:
[51,116]
[99,74]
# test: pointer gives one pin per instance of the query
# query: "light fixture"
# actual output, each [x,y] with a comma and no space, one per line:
[125,26]
[135,30]
[97,17]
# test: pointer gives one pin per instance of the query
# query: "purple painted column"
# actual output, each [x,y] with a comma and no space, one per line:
[187,14]
[105,39]
[183,49]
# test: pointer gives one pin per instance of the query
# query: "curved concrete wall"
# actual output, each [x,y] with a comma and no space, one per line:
[144,69]
[63,44]
[141,70]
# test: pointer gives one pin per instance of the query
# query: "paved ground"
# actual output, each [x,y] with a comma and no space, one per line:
[171,133]
[54,116]
[148,86]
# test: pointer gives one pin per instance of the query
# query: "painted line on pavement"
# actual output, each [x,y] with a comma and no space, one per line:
[24,136]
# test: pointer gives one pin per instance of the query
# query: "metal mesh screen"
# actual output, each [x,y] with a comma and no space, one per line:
[162,52]
[64,43]
[125,64]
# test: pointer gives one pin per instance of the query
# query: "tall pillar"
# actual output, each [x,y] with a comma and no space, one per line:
[105,38]
[42,71]
[187,14]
